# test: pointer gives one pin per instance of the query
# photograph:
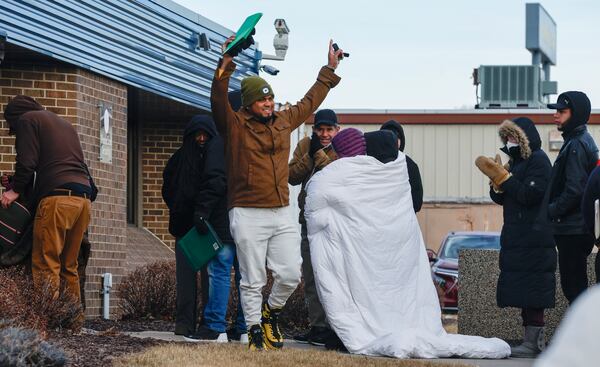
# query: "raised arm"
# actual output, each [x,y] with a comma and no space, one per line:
[326,80]
[223,114]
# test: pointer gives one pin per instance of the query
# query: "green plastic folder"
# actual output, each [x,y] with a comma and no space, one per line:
[200,249]
[245,30]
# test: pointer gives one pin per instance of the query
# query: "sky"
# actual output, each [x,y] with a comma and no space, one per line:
[409,54]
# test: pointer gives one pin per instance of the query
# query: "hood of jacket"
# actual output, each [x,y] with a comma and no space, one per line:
[200,122]
[17,107]
[580,109]
[523,130]
[382,145]
[395,127]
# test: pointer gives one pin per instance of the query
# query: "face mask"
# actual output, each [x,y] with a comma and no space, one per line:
[511,145]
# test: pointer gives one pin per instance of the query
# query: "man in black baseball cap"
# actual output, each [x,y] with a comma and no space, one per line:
[311,155]
[562,205]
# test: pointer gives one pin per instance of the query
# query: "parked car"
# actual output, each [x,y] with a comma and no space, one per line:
[444,267]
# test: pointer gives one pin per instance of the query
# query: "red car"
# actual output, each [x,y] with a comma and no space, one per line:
[444,267]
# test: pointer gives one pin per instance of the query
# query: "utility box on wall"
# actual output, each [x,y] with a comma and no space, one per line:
[510,86]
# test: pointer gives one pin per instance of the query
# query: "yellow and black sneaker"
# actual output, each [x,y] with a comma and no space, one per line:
[256,340]
[270,326]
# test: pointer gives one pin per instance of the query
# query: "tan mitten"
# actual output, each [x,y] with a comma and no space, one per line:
[492,169]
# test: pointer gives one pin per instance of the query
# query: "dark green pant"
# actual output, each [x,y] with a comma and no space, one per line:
[316,314]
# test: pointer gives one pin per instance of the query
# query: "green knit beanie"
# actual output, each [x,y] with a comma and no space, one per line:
[255,88]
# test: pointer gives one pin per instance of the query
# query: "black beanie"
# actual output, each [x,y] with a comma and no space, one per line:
[395,127]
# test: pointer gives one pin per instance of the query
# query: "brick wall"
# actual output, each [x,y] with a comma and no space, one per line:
[74,94]
[162,124]
[109,221]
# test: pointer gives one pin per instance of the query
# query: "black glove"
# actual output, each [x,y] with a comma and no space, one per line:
[249,41]
[315,145]
[200,224]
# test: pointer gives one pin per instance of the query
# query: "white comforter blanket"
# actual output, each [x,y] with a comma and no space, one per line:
[371,268]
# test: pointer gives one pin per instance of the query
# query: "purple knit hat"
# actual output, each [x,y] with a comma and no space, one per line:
[349,142]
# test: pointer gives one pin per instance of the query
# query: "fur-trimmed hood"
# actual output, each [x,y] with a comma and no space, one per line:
[524,132]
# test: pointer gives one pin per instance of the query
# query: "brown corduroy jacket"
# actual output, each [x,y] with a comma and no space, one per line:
[256,153]
[303,167]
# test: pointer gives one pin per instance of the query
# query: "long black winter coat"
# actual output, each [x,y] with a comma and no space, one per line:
[527,257]
[195,182]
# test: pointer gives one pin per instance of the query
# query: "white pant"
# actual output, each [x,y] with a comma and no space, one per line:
[266,235]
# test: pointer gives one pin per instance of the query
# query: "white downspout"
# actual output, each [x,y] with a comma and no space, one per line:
[106,287]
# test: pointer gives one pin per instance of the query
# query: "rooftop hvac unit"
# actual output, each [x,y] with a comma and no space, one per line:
[511,86]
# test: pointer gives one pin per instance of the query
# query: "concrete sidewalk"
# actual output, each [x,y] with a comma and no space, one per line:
[512,362]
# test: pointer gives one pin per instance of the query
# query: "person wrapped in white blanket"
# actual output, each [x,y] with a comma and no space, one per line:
[369,260]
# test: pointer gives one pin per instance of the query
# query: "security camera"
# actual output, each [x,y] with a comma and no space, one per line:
[280,41]
[281,27]
[269,69]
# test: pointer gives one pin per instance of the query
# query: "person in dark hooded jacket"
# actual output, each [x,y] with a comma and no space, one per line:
[414,176]
[527,257]
[195,190]
[562,210]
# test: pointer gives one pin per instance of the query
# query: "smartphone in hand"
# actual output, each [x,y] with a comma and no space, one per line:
[336,47]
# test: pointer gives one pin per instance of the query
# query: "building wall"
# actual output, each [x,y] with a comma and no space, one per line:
[74,94]
[446,156]
[109,222]
[437,219]
[158,144]
[456,193]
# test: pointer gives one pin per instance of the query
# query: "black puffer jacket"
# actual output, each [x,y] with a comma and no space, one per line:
[527,257]
[414,176]
[576,160]
[194,180]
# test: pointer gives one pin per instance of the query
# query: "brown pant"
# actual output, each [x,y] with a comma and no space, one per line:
[58,228]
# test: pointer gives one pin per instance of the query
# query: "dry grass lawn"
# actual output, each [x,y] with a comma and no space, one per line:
[209,355]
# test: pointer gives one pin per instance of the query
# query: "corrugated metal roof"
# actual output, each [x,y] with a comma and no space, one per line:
[149,44]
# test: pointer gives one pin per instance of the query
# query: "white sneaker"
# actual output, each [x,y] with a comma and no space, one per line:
[205,334]
[236,337]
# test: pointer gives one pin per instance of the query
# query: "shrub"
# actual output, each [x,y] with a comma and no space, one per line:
[21,306]
[15,297]
[64,312]
[294,315]
[21,347]
[149,292]
[295,312]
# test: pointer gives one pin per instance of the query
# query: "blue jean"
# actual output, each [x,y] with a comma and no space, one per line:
[219,278]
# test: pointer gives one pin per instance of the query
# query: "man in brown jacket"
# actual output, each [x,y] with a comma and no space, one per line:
[311,155]
[257,152]
[48,147]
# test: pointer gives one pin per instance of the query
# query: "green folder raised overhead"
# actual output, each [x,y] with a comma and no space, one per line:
[244,31]
[200,249]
